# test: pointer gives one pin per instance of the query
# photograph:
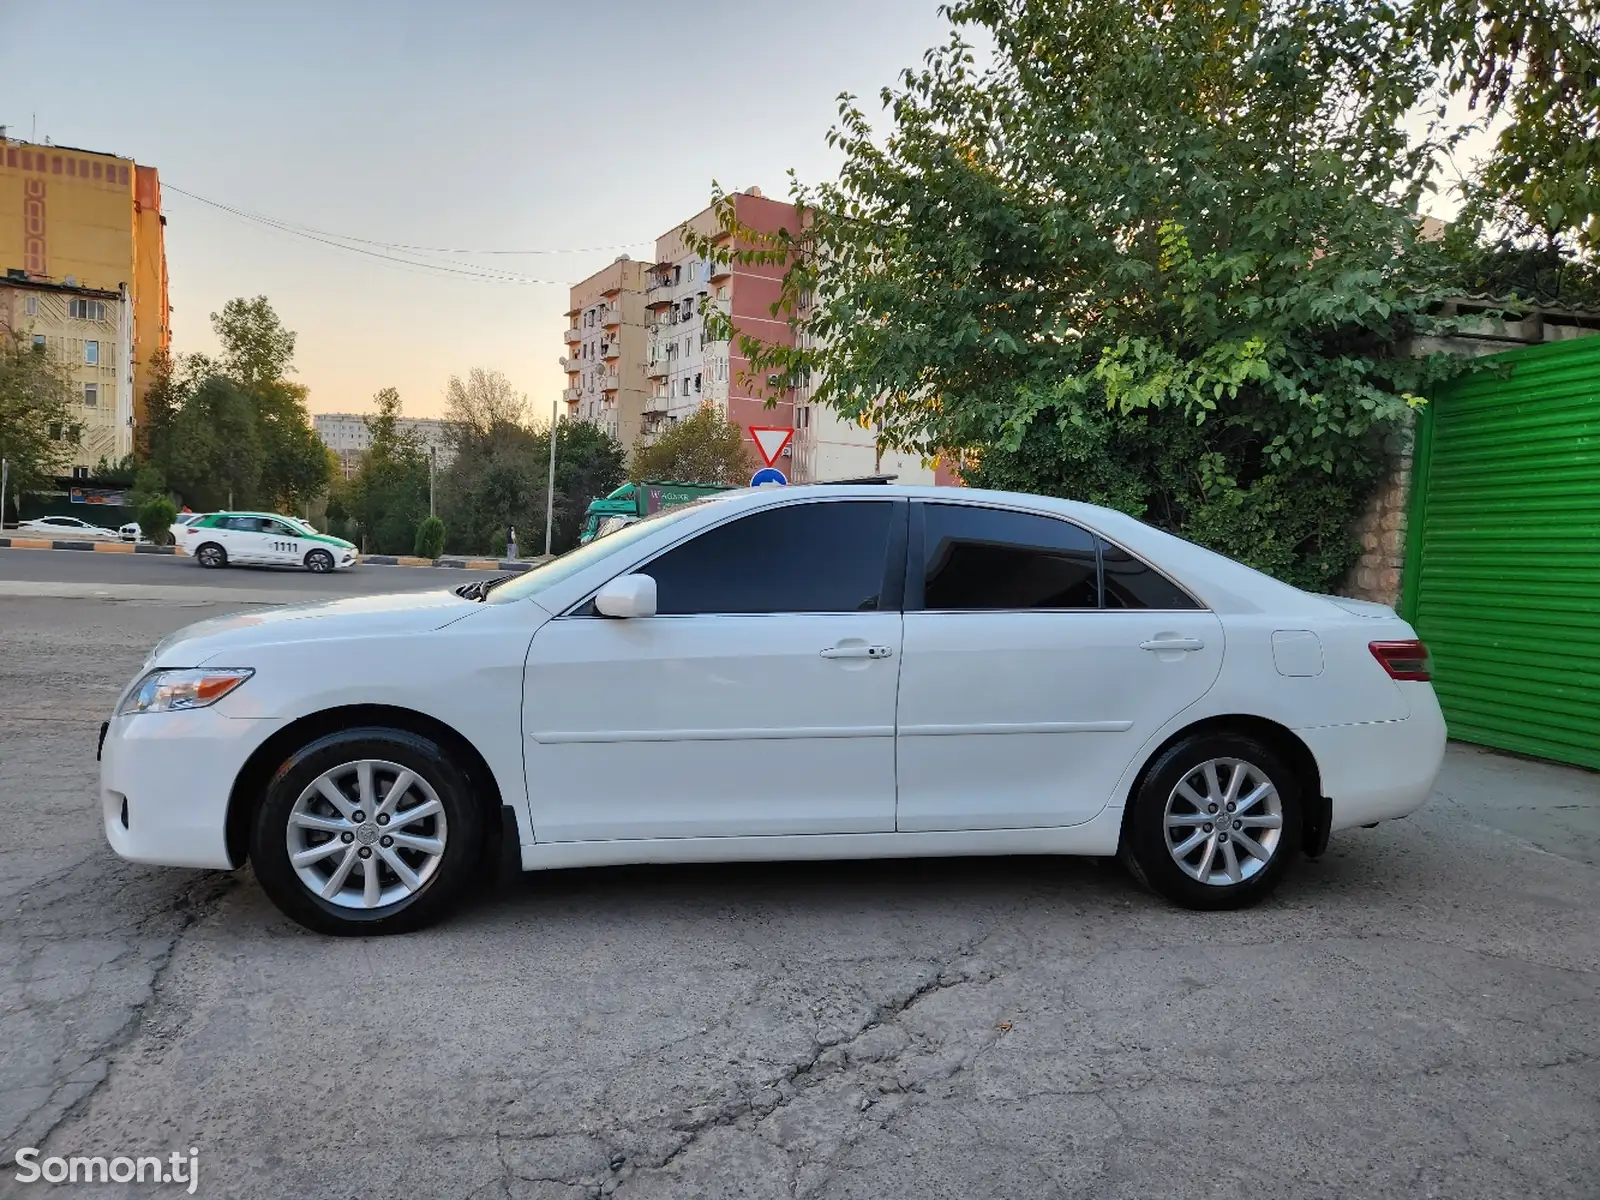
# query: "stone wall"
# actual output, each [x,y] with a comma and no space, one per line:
[1382,530]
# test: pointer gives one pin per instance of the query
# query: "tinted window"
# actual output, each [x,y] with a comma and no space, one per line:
[988,558]
[1134,584]
[826,557]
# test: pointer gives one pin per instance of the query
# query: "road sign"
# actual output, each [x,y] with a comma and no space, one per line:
[770,441]
[767,476]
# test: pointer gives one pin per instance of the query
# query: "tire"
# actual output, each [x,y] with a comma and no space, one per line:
[211,556]
[319,562]
[296,810]
[1203,767]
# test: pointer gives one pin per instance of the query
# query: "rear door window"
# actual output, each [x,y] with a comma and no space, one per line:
[996,559]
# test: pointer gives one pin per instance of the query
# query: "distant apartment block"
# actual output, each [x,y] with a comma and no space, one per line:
[638,358]
[347,435]
[605,355]
[83,253]
[88,332]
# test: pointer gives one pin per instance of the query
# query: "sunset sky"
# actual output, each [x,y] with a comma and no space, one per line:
[581,129]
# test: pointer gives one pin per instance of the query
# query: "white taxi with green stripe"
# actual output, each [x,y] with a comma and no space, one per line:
[262,539]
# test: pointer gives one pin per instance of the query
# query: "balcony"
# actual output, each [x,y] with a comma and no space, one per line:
[571,365]
[609,382]
[657,405]
[573,336]
[608,316]
[721,270]
[571,395]
[659,293]
[611,349]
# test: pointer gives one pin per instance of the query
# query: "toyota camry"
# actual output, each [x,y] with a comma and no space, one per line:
[819,672]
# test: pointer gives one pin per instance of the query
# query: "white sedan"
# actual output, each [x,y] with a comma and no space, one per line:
[67,529]
[784,673]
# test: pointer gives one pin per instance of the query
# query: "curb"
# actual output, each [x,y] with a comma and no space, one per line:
[27,543]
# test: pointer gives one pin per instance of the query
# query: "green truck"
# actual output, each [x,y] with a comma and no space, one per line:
[634,500]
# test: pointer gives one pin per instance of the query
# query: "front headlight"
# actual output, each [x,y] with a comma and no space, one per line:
[171,691]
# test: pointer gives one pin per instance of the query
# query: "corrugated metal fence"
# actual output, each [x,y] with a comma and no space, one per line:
[1502,571]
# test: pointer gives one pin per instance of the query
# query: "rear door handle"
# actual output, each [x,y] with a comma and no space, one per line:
[1175,643]
[857,651]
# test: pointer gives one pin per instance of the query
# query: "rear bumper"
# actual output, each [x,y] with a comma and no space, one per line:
[165,779]
[1380,770]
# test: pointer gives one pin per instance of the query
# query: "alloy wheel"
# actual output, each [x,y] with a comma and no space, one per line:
[1223,822]
[367,834]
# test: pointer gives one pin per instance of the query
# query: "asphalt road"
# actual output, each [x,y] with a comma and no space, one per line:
[1417,1014]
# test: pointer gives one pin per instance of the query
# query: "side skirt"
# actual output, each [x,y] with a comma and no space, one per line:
[1096,837]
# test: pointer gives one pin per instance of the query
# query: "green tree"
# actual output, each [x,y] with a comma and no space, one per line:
[389,495]
[704,447]
[589,464]
[39,425]
[1163,258]
[256,348]
[213,455]
[1531,67]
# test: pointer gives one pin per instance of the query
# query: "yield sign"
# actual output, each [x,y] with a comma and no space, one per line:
[770,441]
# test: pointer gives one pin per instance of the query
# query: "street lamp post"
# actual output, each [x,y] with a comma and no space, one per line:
[550,489]
[433,458]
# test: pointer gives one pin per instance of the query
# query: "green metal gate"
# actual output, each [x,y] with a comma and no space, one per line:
[1502,569]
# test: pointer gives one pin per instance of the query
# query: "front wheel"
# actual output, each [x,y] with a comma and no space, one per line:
[1214,823]
[367,831]
[319,562]
[211,556]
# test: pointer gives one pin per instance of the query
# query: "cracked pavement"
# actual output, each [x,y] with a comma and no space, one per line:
[1418,1014]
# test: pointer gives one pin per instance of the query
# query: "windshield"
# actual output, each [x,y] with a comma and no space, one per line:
[573,561]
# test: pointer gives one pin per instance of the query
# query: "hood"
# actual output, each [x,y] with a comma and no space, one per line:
[351,617]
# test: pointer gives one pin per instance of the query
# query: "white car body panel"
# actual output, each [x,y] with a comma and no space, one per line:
[67,529]
[674,739]
[711,726]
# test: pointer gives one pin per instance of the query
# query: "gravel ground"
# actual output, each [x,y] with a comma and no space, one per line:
[1418,1014]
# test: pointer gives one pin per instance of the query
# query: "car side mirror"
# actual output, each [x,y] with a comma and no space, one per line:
[627,596]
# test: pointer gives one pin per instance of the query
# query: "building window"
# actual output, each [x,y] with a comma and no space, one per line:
[38,341]
[697,381]
[91,395]
[56,433]
[31,306]
[91,353]
[86,310]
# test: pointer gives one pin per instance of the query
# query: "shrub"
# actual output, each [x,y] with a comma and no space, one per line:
[156,516]
[430,538]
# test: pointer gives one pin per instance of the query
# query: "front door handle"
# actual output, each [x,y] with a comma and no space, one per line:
[1173,643]
[857,650]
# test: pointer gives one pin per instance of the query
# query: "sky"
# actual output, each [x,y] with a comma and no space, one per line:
[587,129]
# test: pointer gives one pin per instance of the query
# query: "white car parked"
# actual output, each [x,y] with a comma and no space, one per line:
[784,673]
[67,529]
[217,539]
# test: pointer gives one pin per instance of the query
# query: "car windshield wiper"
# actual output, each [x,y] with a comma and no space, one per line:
[480,588]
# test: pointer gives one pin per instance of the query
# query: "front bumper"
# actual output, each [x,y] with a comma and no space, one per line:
[165,779]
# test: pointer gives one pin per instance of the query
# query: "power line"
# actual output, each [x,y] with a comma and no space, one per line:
[480,273]
[296,227]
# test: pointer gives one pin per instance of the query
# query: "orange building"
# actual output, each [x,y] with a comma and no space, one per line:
[81,219]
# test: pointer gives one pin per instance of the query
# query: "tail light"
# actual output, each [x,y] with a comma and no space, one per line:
[1403,660]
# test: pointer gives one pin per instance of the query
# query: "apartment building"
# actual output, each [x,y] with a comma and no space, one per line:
[347,435]
[89,334]
[606,346]
[90,224]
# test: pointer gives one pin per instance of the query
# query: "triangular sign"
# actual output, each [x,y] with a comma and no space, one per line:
[770,441]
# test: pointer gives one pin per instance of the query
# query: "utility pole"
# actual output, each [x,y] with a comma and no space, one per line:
[550,490]
[5,475]
[433,455]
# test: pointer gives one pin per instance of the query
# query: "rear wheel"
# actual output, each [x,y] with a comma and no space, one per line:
[367,831]
[319,561]
[1214,823]
[211,556]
